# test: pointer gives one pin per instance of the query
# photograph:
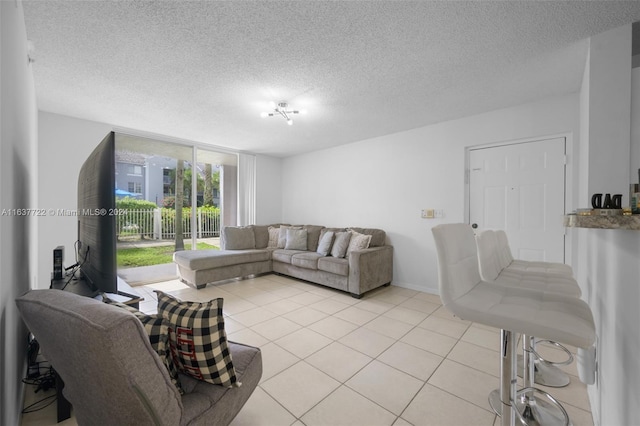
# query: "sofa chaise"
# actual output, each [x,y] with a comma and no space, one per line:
[308,252]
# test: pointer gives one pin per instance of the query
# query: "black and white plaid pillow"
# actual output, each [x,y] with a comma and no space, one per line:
[158,330]
[198,340]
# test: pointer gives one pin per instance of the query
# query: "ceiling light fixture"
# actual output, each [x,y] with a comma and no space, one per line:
[281,109]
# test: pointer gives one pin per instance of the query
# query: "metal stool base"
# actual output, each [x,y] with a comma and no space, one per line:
[546,374]
[543,410]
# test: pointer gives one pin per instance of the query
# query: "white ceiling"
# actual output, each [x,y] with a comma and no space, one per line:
[204,70]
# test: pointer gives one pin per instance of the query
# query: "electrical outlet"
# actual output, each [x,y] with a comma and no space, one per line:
[428,214]
[438,214]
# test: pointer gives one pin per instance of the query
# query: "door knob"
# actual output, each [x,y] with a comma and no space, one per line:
[474,225]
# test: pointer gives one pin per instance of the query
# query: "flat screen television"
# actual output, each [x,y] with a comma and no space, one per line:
[96,245]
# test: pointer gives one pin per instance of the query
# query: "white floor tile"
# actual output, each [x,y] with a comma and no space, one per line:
[346,407]
[410,316]
[411,360]
[300,387]
[389,327]
[276,328]
[465,382]
[339,361]
[386,386]
[303,342]
[356,315]
[305,316]
[333,327]
[433,406]
[367,341]
[253,316]
[436,343]
[262,410]
[275,360]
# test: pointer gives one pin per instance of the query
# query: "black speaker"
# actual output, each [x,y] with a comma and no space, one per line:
[58,258]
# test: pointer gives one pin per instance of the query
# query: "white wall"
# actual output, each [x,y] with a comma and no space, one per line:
[385,182]
[18,138]
[606,261]
[63,146]
[609,120]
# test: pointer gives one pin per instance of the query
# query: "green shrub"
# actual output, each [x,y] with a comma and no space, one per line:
[129,203]
[134,216]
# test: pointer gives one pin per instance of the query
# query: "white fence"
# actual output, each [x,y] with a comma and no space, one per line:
[159,224]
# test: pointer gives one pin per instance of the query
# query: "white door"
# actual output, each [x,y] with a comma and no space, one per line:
[520,188]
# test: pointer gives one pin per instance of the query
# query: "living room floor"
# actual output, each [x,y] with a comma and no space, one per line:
[394,357]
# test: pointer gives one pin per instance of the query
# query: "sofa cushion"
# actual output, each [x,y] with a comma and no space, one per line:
[158,330]
[238,237]
[307,260]
[340,244]
[198,340]
[284,256]
[358,241]
[313,236]
[197,260]
[339,266]
[296,239]
[261,235]
[378,236]
[274,234]
[324,246]
[282,236]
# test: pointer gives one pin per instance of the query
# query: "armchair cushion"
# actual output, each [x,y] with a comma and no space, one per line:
[198,340]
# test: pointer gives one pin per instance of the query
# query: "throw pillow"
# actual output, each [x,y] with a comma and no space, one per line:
[324,246]
[282,235]
[274,233]
[157,329]
[238,237]
[358,242]
[340,244]
[296,239]
[198,340]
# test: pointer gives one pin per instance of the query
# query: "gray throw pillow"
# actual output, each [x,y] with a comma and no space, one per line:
[274,233]
[324,246]
[282,236]
[296,239]
[239,238]
[340,244]
[358,242]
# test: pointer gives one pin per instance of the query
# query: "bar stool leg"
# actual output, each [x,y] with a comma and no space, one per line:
[500,399]
[532,410]
[507,377]
[547,373]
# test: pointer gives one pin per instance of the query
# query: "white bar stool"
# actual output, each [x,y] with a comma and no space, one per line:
[509,262]
[494,267]
[513,310]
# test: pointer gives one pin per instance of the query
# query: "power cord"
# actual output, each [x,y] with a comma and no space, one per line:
[43,382]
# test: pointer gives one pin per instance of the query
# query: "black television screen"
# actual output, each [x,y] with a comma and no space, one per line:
[96,220]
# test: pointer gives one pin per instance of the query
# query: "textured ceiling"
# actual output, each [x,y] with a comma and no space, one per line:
[204,70]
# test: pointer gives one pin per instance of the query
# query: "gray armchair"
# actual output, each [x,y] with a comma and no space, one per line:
[113,376]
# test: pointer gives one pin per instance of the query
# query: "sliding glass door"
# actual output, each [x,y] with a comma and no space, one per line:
[170,196]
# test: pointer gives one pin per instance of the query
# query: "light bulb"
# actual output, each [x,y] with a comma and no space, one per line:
[290,122]
[264,114]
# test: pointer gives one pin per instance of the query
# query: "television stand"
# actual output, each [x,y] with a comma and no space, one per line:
[126,294]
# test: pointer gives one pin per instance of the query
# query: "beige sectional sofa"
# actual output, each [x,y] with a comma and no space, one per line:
[354,260]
